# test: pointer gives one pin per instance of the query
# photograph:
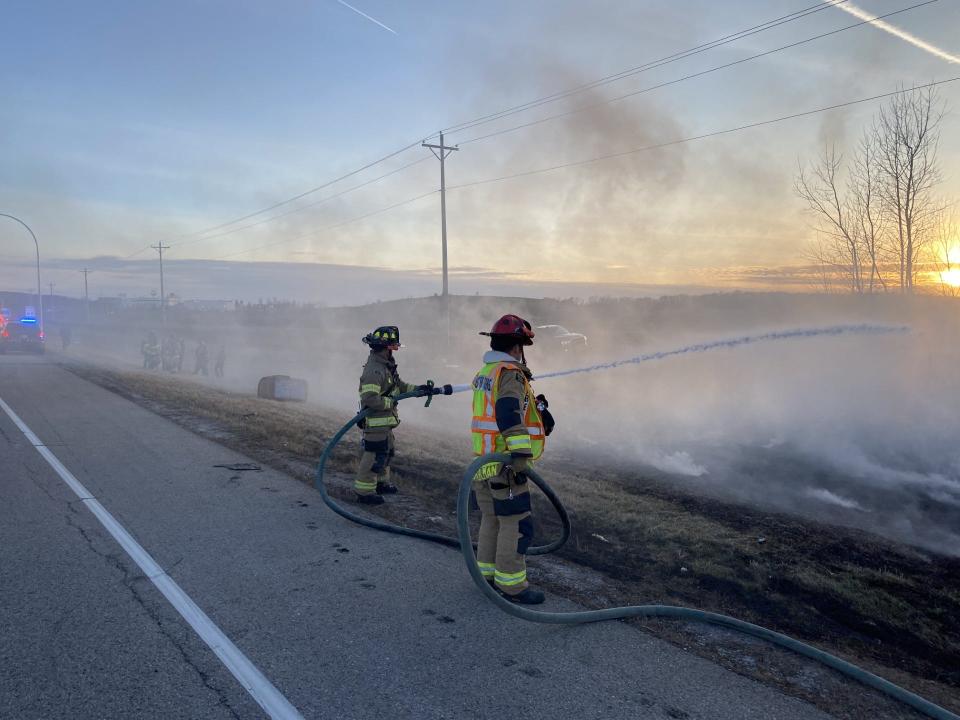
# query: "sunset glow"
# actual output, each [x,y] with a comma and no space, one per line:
[951,278]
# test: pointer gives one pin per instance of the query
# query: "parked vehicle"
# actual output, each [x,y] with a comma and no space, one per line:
[24,335]
[560,336]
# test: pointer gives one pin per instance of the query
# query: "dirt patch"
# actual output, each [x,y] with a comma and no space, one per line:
[892,609]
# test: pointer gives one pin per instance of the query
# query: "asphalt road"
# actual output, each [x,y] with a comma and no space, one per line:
[343,621]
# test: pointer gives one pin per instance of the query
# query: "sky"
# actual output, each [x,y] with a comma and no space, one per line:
[127,124]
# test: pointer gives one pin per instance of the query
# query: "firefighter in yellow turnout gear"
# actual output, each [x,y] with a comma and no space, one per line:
[380,384]
[507,418]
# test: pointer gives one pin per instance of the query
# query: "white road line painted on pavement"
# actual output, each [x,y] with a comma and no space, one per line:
[253,681]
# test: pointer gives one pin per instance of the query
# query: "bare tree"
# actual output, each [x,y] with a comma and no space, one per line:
[869,208]
[906,137]
[838,242]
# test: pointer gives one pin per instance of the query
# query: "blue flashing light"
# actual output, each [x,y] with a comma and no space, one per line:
[28,321]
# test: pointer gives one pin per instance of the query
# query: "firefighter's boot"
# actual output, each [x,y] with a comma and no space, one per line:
[370,499]
[384,486]
[528,597]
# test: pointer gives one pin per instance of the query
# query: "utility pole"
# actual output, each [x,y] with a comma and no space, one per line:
[160,247]
[441,152]
[86,295]
[51,296]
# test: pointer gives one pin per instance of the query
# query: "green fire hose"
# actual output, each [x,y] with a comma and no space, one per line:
[464,543]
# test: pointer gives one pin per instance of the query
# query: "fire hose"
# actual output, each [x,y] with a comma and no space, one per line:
[464,543]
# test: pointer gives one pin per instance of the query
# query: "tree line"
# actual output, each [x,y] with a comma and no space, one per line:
[880,223]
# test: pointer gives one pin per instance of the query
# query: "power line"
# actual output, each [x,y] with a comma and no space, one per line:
[306,207]
[138,252]
[703,136]
[529,105]
[322,186]
[650,65]
[329,227]
[534,103]
[690,76]
[600,158]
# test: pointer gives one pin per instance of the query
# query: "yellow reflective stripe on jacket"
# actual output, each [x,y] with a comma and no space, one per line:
[388,403]
[509,579]
[491,426]
[371,388]
[518,442]
[376,422]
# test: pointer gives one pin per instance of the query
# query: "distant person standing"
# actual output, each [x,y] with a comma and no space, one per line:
[219,362]
[202,357]
[150,349]
[168,353]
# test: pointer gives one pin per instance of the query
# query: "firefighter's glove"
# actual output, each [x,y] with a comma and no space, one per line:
[545,415]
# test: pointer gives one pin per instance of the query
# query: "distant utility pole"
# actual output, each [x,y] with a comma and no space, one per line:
[51,296]
[160,247]
[441,152]
[86,295]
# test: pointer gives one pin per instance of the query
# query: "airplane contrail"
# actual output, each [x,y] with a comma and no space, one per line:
[373,20]
[894,30]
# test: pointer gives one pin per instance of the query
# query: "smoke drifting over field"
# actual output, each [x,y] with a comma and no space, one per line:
[855,430]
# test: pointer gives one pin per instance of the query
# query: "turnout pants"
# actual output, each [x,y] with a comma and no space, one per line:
[506,531]
[376,453]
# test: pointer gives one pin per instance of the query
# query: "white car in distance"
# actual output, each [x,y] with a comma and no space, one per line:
[559,335]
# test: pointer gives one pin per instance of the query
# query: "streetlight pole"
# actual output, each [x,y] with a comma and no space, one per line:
[37,245]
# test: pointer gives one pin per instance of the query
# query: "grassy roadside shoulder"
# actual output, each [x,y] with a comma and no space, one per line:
[893,609]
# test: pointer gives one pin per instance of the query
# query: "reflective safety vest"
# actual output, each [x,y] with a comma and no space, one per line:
[484,429]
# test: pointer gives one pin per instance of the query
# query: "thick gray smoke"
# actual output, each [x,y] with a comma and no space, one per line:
[855,430]
[858,430]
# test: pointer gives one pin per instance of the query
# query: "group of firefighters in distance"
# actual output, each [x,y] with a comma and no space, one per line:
[170,355]
[507,418]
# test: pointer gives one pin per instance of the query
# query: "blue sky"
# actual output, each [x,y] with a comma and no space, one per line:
[127,123]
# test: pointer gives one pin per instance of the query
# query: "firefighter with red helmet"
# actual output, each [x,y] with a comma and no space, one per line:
[507,418]
[380,384]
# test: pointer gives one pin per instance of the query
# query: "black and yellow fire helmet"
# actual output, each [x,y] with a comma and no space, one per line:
[382,337]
